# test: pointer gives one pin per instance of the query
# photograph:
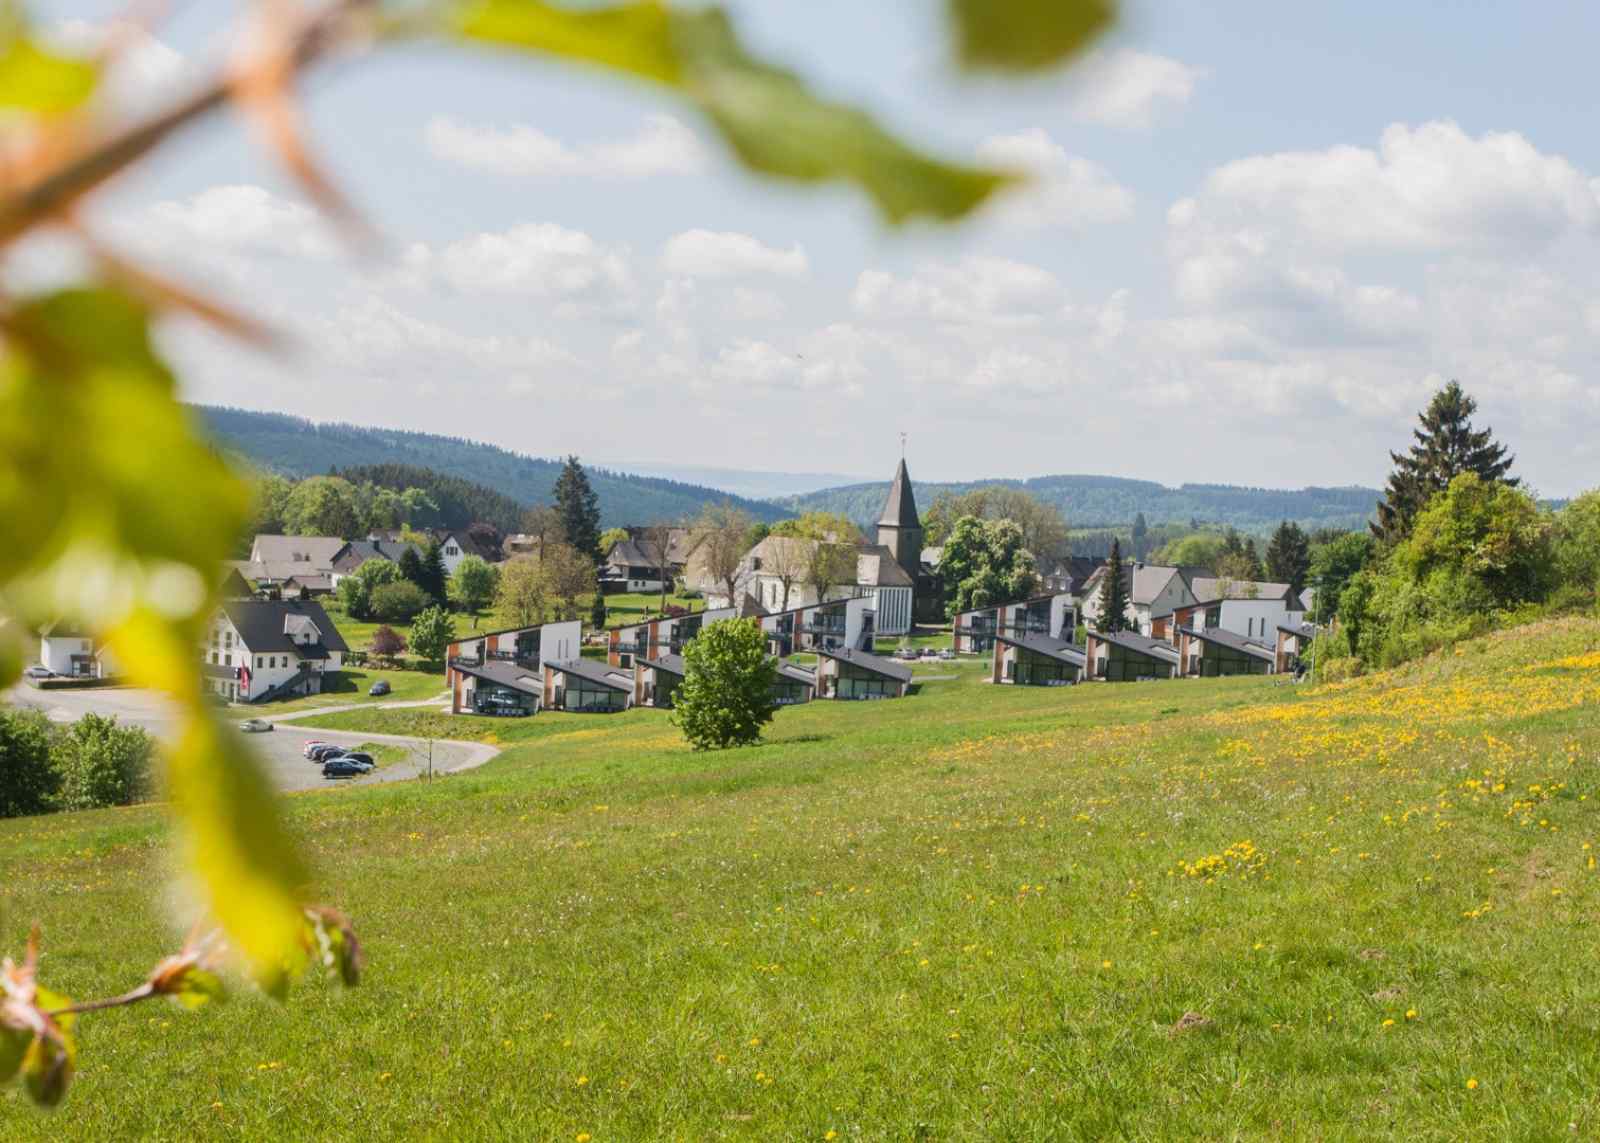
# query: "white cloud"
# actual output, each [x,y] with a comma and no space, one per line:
[1065,191]
[727,254]
[1130,89]
[539,259]
[142,68]
[224,220]
[975,291]
[664,147]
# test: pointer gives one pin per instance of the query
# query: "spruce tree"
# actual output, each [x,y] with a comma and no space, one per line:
[412,568]
[1113,594]
[579,508]
[435,579]
[1446,446]
[597,612]
[1141,537]
[1289,556]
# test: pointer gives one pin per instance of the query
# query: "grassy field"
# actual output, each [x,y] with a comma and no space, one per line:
[1221,909]
[351,685]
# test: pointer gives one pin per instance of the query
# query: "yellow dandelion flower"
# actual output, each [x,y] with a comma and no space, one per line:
[1105,964]
[583,1081]
[832,1134]
[1411,1013]
[1388,1023]
[1472,1085]
[584,1137]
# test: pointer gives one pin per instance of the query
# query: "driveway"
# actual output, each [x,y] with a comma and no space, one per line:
[279,748]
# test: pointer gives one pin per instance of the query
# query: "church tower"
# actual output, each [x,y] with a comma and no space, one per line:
[899,526]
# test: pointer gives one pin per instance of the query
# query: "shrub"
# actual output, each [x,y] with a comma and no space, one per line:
[398,602]
[102,764]
[726,694]
[431,633]
[387,642]
[28,781]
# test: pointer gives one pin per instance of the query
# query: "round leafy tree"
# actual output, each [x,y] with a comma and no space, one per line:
[726,694]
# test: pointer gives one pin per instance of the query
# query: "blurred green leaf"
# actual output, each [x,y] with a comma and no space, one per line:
[13,1045]
[48,1062]
[195,988]
[1026,35]
[33,79]
[337,945]
[773,122]
[126,533]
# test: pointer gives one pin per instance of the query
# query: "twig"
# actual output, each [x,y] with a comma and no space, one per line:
[144,992]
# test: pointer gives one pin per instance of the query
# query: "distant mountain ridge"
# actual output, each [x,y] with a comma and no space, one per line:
[295,446]
[1113,501]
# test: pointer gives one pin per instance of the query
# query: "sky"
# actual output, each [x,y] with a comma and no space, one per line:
[1257,238]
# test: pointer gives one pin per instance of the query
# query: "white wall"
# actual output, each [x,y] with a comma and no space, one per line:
[560,641]
[1253,618]
[55,654]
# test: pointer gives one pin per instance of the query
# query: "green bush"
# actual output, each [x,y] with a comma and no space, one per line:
[28,780]
[102,764]
[726,694]
[398,602]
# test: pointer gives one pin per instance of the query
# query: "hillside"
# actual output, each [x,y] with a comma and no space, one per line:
[298,447]
[1102,501]
[1189,909]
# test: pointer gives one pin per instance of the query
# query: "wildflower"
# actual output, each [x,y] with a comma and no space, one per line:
[583,1081]
[832,1134]
[1105,964]
[1472,1085]
[955,1035]
[755,1041]
[584,1137]
[1388,1023]
[1411,1013]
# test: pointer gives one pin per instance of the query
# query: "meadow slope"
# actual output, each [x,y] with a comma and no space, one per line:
[1230,908]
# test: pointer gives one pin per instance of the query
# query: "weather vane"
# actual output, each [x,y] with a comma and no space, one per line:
[902,446]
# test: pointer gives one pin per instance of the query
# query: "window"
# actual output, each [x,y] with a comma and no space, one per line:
[258,662]
[452,550]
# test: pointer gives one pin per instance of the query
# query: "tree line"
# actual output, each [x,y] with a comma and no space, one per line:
[93,763]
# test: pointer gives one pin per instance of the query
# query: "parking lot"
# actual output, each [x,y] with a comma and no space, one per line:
[279,747]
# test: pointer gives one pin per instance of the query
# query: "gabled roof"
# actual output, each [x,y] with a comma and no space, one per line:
[900,509]
[501,672]
[876,567]
[798,674]
[595,672]
[1302,630]
[1139,644]
[309,552]
[1232,640]
[261,625]
[1058,649]
[1215,589]
[630,553]
[888,668]
[358,552]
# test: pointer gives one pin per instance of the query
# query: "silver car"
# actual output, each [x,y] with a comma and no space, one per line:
[255,725]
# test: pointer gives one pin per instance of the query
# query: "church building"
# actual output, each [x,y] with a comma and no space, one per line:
[900,531]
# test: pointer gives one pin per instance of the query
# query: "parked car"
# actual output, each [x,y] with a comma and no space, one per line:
[906,653]
[381,687]
[255,725]
[359,758]
[947,653]
[323,753]
[929,653]
[38,672]
[345,768]
[307,747]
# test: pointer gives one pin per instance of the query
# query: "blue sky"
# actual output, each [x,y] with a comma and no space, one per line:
[1259,237]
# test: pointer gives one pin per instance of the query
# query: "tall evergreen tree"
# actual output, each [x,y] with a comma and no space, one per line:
[1113,594]
[1289,556]
[1446,446]
[412,567]
[579,508]
[597,610]
[435,579]
[1141,537]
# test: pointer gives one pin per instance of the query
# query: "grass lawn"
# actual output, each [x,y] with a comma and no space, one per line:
[351,685]
[1213,909]
[624,609]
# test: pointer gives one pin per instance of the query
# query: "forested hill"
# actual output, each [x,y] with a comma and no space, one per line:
[1109,501]
[294,446]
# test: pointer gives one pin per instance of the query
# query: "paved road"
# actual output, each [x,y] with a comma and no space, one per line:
[279,747]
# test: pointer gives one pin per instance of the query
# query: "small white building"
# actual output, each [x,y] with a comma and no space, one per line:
[260,650]
[73,653]
[664,635]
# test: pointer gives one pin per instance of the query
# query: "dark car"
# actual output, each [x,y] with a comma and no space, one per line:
[323,753]
[381,687]
[343,768]
[358,758]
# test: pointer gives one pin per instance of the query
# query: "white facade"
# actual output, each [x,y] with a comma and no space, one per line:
[241,674]
[74,657]
[1252,618]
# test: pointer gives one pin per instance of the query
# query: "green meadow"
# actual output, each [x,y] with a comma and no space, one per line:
[1230,908]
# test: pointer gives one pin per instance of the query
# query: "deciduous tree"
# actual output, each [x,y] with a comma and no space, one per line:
[726,694]
[474,584]
[431,632]
[524,591]
[720,533]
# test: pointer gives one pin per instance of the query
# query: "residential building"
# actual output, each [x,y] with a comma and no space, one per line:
[631,566]
[794,685]
[1153,589]
[851,674]
[72,651]
[358,552]
[499,672]
[274,559]
[1290,642]
[1055,615]
[655,680]
[1205,653]
[1126,656]
[586,686]
[839,624]
[1250,608]
[260,650]
[1034,659]
[665,634]
[306,586]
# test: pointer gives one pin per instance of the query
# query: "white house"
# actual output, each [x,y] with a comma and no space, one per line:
[259,650]
[1152,590]
[1249,608]
[838,624]
[664,635]
[72,652]
[1054,615]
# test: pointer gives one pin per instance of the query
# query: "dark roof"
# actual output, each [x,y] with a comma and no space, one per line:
[1058,649]
[595,672]
[629,553]
[358,552]
[798,674]
[501,672]
[260,625]
[1232,640]
[900,509]
[1304,630]
[672,664]
[876,567]
[888,668]
[1139,644]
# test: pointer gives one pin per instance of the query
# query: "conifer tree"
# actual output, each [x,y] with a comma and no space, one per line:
[1141,537]
[579,508]
[1446,446]
[1113,594]
[1289,556]
[435,579]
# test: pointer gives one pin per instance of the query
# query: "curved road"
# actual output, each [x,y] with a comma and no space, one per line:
[279,748]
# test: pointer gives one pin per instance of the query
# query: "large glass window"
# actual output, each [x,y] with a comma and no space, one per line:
[855,683]
[1042,671]
[584,696]
[495,699]
[788,692]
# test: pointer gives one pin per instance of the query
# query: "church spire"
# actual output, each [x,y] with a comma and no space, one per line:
[900,509]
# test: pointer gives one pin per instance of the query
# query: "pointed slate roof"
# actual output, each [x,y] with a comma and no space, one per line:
[900,510]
